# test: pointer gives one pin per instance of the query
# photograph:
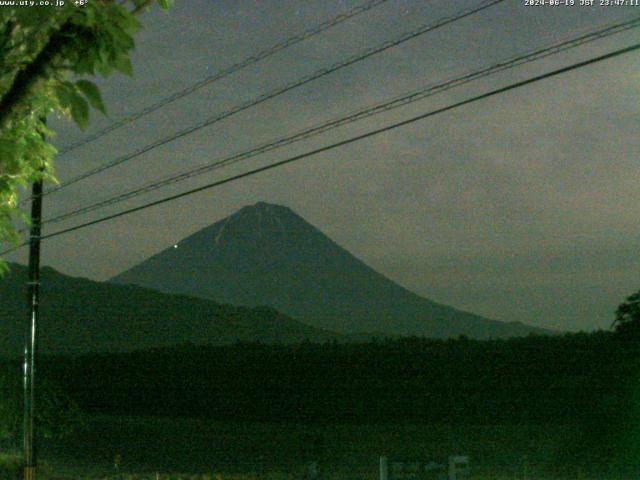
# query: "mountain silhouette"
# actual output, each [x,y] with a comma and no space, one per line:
[81,316]
[266,254]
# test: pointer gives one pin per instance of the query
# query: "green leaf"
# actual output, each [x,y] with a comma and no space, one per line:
[166,4]
[65,94]
[70,98]
[80,112]
[90,14]
[32,16]
[103,52]
[120,39]
[91,91]
[8,149]
[123,64]
[103,69]
[125,20]
[86,63]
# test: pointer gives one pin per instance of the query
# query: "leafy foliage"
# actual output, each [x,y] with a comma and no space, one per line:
[41,56]
[11,465]
[57,414]
[627,322]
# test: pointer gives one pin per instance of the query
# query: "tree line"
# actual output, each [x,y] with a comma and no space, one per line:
[590,380]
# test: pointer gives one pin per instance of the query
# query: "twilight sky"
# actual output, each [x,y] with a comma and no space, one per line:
[525,206]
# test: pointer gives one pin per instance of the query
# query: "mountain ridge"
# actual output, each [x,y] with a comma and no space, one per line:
[266,254]
[78,316]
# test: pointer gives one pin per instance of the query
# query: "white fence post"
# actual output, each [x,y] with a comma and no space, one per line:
[458,464]
[384,468]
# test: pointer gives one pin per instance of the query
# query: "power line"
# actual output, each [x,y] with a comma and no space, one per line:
[226,72]
[348,141]
[281,90]
[382,107]
[211,79]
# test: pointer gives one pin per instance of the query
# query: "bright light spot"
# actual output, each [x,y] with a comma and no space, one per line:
[175,246]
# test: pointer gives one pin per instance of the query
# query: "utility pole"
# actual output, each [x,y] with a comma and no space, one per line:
[30,460]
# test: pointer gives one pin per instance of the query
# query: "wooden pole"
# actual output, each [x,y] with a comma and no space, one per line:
[30,345]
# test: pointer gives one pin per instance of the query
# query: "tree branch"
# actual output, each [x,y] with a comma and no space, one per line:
[27,80]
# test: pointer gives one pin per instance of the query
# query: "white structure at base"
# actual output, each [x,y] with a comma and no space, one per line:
[458,467]
[384,468]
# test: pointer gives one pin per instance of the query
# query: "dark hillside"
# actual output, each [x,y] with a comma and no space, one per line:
[80,316]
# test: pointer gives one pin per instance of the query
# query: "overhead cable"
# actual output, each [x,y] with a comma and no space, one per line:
[342,143]
[280,90]
[361,114]
[267,52]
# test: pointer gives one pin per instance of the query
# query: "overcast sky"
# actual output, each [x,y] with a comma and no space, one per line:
[525,206]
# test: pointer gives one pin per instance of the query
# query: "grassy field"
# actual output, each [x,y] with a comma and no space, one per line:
[246,451]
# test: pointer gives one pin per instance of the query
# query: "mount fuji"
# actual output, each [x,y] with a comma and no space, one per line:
[267,255]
